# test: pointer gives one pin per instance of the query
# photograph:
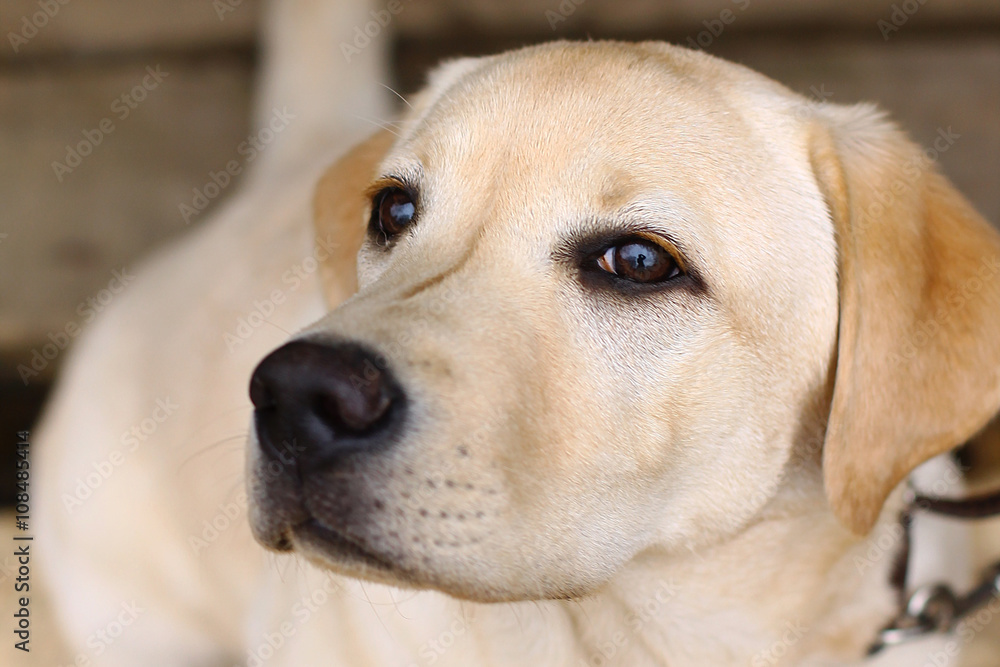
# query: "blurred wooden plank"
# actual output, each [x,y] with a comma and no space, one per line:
[65,237]
[45,27]
[530,17]
[927,86]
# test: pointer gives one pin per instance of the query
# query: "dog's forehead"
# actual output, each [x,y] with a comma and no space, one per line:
[552,107]
[604,120]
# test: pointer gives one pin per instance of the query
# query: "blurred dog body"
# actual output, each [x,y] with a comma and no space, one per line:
[736,543]
[123,476]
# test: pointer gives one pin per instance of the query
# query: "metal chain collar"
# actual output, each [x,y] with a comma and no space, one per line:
[937,608]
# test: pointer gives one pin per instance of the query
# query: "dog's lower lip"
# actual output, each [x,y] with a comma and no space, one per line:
[314,529]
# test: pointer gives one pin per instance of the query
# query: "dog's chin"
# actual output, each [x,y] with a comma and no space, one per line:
[329,549]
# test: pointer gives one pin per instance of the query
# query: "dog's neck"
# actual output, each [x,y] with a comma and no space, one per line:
[792,588]
[791,585]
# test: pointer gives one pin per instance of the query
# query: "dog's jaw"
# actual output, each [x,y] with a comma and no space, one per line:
[731,605]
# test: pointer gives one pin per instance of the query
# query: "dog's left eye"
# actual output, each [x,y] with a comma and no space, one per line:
[638,260]
[393,211]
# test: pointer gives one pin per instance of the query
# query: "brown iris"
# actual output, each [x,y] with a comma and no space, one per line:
[638,260]
[393,211]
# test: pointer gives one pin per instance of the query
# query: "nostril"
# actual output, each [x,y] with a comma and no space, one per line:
[352,412]
[260,393]
[330,399]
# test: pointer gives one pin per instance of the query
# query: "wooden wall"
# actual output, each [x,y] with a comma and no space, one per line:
[160,90]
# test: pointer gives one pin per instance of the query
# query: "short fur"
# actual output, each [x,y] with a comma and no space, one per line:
[692,477]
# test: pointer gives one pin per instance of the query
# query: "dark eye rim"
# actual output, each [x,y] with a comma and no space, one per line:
[375,230]
[615,249]
[591,259]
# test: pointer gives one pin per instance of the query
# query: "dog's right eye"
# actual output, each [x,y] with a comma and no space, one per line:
[638,260]
[393,209]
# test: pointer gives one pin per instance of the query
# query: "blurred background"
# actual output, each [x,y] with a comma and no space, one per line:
[114,113]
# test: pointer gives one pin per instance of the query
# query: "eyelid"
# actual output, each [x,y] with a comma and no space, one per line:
[666,246]
[590,244]
[383,183]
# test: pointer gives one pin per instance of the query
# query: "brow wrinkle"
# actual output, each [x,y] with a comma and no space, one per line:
[434,280]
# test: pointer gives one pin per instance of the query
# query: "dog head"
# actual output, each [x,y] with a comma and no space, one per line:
[605,293]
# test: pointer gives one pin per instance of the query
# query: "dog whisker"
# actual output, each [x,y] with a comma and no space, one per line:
[394,92]
[381,124]
[240,437]
[279,328]
[395,604]
[220,415]
[378,616]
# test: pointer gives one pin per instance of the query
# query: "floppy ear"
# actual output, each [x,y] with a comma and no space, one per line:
[918,357]
[340,214]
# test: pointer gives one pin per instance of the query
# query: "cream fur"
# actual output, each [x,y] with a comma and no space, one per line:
[656,459]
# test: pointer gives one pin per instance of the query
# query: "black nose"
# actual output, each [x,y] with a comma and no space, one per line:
[319,403]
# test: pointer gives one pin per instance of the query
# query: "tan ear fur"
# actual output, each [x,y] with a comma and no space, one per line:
[340,214]
[918,367]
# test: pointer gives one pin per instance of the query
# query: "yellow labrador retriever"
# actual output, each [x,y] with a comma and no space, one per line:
[641,349]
